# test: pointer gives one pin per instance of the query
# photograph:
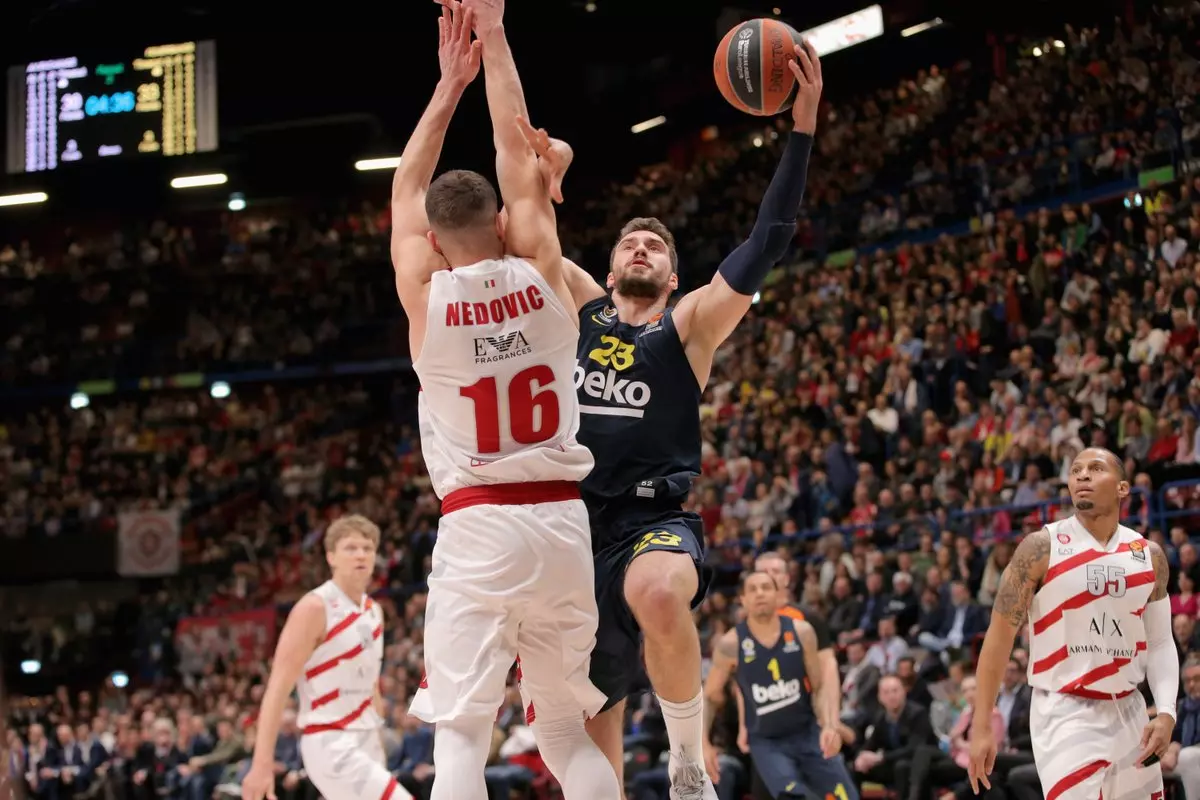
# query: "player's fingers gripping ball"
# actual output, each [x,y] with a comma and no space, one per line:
[751,66]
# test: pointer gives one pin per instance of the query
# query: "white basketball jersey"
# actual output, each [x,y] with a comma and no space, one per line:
[337,688]
[1086,630]
[497,401]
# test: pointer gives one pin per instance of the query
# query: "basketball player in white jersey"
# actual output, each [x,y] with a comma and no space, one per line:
[1095,596]
[493,342]
[331,650]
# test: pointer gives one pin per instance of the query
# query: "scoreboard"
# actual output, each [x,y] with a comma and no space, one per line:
[161,101]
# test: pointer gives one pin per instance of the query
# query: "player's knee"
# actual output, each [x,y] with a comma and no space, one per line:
[659,588]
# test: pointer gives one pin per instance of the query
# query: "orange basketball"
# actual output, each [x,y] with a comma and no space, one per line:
[751,66]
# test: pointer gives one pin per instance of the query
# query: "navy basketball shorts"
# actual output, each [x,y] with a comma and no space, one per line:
[793,767]
[617,658]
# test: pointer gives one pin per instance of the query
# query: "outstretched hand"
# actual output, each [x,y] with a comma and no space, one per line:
[554,157]
[458,55]
[806,66]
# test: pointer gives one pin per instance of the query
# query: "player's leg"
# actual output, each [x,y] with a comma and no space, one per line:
[661,585]
[616,656]
[777,771]
[1070,746]
[470,643]
[825,777]
[1127,719]
[606,729]
[349,765]
[555,639]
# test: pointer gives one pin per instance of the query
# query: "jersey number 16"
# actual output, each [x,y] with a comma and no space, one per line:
[533,413]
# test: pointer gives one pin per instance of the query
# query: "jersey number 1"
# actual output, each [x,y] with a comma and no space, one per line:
[528,394]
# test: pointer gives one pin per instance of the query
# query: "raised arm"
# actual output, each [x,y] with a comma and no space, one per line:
[708,315]
[413,257]
[531,232]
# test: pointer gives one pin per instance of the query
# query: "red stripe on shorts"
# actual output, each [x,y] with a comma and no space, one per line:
[387,790]
[510,494]
[1067,782]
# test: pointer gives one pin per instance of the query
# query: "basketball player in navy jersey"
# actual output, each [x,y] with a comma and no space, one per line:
[774,659]
[642,368]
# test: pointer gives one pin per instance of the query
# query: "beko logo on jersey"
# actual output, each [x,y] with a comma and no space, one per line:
[490,349]
[510,306]
[782,692]
[626,398]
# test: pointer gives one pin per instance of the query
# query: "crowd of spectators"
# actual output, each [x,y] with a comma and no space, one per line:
[892,426]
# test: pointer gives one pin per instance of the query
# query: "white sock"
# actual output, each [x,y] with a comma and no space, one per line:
[685,729]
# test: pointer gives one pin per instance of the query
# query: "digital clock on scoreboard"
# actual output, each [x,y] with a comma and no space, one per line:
[64,111]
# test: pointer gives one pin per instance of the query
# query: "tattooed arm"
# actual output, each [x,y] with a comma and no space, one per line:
[1017,586]
[724,662]
[1162,664]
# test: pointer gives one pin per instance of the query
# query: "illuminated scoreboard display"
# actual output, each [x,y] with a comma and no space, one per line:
[65,111]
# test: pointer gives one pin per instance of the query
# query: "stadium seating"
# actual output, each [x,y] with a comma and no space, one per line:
[981,288]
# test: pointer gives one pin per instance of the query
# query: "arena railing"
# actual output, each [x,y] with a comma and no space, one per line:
[1141,511]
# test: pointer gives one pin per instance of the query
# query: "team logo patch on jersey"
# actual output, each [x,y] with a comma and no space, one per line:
[747,650]
[653,324]
[790,645]
[1137,549]
[489,349]
[605,317]
[1064,538]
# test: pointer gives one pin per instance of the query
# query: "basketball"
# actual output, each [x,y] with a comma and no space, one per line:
[751,66]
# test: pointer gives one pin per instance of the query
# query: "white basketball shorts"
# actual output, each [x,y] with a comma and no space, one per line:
[349,765]
[509,580]
[1086,749]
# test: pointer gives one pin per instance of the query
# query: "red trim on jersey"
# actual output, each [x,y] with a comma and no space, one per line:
[1051,661]
[510,494]
[1067,782]
[1101,672]
[325,699]
[387,790]
[341,724]
[1086,557]
[530,714]
[1085,597]
[325,666]
[1156,796]
[424,684]
[349,620]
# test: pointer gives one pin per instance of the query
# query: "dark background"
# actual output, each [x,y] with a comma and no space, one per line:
[304,90]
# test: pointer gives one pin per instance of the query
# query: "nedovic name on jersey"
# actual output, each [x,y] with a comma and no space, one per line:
[639,406]
[774,683]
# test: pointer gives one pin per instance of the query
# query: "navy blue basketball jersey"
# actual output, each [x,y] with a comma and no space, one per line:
[639,408]
[774,683]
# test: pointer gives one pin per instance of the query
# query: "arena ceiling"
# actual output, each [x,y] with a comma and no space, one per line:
[349,78]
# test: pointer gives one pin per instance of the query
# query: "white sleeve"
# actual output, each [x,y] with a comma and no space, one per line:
[1162,662]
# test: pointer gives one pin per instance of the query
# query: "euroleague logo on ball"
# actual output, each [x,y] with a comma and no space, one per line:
[746,33]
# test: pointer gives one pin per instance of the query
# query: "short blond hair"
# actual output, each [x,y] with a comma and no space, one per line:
[350,525]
